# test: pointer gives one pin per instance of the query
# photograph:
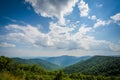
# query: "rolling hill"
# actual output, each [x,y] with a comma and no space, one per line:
[10,70]
[65,60]
[97,65]
[42,63]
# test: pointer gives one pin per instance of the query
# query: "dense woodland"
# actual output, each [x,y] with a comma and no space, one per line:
[10,70]
[45,64]
[97,65]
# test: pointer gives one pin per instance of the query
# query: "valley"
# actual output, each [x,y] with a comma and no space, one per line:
[87,68]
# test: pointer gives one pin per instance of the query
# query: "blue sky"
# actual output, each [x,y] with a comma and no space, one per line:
[59,27]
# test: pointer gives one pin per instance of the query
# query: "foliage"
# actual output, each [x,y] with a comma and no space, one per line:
[10,70]
[5,63]
[97,65]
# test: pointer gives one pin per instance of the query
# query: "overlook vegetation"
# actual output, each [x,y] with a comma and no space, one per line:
[10,70]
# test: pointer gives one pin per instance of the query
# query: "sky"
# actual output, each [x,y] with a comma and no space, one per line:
[32,28]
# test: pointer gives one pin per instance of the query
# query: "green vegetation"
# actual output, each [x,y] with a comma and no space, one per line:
[45,64]
[10,70]
[97,65]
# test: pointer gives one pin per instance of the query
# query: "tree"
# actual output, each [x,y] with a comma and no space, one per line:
[59,76]
[5,63]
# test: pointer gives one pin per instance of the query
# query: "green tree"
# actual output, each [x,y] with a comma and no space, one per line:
[59,75]
[5,63]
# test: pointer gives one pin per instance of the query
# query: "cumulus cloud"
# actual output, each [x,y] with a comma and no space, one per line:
[60,37]
[27,34]
[90,43]
[114,47]
[116,18]
[83,29]
[53,8]
[84,8]
[100,23]
[5,44]
[65,39]
[31,35]
[93,17]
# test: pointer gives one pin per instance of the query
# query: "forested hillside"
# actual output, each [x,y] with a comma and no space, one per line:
[45,64]
[97,65]
[10,70]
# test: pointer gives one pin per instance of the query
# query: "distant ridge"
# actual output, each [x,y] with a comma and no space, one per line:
[65,60]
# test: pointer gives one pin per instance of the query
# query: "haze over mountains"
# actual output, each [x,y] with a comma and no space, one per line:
[52,63]
[93,68]
[65,60]
[93,65]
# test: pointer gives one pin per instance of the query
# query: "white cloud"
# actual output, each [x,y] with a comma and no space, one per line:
[12,20]
[84,9]
[60,37]
[25,34]
[93,17]
[114,47]
[53,8]
[59,29]
[100,23]
[31,35]
[84,41]
[5,44]
[116,17]
[83,29]
[87,42]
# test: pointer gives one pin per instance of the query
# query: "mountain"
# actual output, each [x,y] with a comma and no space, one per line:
[97,65]
[42,63]
[65,60]
[9,70]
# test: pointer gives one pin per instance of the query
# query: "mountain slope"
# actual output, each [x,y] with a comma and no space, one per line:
[43,63]
[65,60]
[97,65]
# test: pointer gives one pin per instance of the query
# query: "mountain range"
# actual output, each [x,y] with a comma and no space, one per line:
[52,63]
[96,65]
[64,61]
[90,65]
[40,62]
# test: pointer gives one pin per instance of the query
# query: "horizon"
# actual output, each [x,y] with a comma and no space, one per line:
[34,57]
[33,28]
